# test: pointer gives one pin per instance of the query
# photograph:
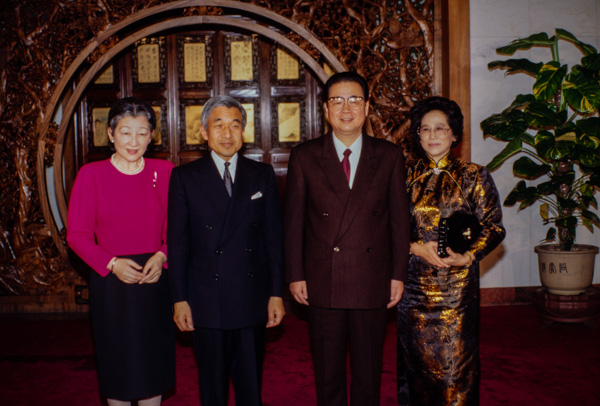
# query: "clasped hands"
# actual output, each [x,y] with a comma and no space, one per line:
[428,251]
[129,271]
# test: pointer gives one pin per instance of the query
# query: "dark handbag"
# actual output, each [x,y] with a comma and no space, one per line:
[459,232]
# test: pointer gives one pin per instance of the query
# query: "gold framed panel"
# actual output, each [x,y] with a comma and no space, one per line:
[149,63]
[100,127]
[194,60]
[241,60]
[249,135]
[193,124]
[106,77]
[288,67]
[288,122]
[157,138]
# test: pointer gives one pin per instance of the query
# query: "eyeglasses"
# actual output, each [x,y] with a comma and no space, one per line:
[354,102]
[438,130]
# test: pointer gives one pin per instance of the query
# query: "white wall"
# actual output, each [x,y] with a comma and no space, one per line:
[494,24]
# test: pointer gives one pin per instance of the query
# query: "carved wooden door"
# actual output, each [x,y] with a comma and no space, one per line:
[177,72]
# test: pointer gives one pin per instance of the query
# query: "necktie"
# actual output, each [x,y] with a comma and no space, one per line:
[346,163]
[227,178]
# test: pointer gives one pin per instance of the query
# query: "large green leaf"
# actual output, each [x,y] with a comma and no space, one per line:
[505,126]
[586,49]
[542,114]
[512,148]
[581,92]
[548,80]
[590,215]
[590,126]
[591,62]
[526,43]
[548,148]
[513,66]
[525,167]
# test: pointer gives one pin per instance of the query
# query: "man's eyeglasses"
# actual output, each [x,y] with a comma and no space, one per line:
[354,102]
[438,130]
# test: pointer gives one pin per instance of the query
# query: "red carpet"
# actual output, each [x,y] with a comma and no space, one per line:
[50,362]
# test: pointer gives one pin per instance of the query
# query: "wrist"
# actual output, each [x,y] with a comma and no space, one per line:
[471,257]
[111,264]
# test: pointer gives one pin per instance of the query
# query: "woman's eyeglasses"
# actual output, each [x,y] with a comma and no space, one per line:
[440,131]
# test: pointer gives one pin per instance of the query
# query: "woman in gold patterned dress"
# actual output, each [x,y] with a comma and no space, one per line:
[438,316]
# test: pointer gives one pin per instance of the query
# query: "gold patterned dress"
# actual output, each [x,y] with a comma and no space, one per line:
[438,316]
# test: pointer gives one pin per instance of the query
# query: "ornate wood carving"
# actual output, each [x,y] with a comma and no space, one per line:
[388,41]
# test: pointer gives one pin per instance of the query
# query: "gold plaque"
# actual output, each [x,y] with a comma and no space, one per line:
[288,115]
[287,66]
[100,119]
[192,125]
[106,77]
[157,137]
[148,63]
[241,61]
[249,130]
[194,60]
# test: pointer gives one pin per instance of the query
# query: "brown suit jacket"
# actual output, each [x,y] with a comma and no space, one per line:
[347,244]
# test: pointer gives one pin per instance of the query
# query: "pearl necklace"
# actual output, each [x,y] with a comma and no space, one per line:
[135,171]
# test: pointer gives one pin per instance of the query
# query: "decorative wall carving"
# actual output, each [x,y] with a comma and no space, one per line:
[390,42]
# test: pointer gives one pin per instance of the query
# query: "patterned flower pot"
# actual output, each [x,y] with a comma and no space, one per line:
[566,272]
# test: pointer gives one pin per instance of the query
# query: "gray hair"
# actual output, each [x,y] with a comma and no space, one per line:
[221,101]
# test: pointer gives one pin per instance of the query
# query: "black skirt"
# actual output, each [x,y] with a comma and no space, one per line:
[133,334]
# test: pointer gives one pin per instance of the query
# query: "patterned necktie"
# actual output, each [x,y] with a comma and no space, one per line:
[227,178]
[346,164]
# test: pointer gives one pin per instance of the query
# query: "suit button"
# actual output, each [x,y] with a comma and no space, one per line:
[250,275]
[248,250]
[336,249]
[216,276]
[368,249]
[218,252]
[325,214]
[208,227]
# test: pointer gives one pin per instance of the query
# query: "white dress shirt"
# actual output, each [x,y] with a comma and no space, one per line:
[220,162]
[356,147]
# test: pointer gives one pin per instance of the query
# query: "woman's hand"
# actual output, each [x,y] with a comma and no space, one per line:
[456,259]
[153,268]
[127,270]
[428,251]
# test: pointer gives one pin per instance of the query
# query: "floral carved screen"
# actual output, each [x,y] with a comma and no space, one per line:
[390,42]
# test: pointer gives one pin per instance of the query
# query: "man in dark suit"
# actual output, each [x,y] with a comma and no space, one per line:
[346,242]
[225,255]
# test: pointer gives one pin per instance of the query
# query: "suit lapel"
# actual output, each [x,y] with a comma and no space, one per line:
[243,188]
[211,185]
[332,169]
[365,172]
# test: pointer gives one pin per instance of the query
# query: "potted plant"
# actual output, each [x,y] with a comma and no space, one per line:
[556,131]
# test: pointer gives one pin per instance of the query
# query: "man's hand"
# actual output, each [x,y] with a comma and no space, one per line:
[299,292]
[275,310]
[182,315]
[397,289]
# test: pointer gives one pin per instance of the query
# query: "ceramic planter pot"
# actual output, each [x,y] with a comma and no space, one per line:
[566,272]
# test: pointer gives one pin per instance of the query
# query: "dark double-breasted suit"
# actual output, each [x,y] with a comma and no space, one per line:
[347,244]
[225,255]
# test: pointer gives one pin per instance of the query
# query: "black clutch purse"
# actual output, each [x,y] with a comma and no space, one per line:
[459,232]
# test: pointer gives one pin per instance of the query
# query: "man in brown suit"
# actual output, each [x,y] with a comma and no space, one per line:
[346,242]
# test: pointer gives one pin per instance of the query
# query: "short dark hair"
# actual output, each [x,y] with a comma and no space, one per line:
[346,77]
[449,107]
[131,106]
[221,101]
